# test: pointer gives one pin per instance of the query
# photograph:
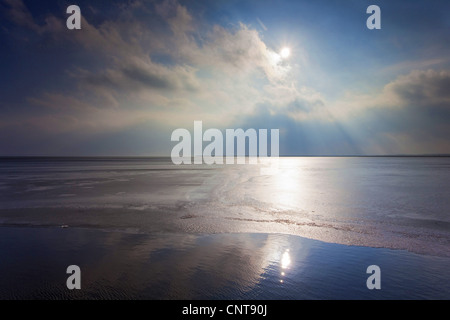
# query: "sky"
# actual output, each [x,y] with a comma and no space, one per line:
[138,69]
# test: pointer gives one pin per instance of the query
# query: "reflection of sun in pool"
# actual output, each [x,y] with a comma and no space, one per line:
[285,262]
[285,53]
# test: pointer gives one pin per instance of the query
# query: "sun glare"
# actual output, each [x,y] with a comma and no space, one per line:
[285,52]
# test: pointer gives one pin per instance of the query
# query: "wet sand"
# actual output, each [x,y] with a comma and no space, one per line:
[129,265]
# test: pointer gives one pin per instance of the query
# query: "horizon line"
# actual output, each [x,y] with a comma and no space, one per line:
[281,156]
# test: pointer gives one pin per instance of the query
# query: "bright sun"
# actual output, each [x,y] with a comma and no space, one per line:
[285,52]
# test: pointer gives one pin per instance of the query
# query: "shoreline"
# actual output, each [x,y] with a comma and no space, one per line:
[200,234]
[175,219]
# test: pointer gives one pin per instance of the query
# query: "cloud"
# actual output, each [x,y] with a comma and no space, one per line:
[208,71]
[129,72]
[136,74]
[18,13]
[410,115]
[242,51]
[420,64]
[426,89]
[177,16]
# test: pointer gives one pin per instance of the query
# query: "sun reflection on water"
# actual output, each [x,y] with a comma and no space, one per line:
[287,188]
[285,263]
[285,260]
